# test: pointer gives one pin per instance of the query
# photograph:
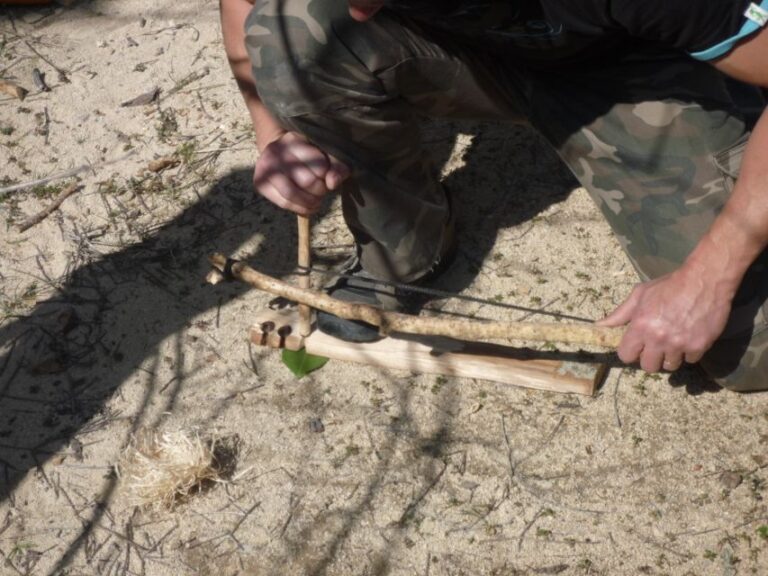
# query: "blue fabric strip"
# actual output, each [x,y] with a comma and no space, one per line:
[749,27]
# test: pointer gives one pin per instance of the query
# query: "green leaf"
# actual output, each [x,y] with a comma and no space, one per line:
[762,531]
[301,363]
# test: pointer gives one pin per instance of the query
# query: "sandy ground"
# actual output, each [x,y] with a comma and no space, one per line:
[107,328]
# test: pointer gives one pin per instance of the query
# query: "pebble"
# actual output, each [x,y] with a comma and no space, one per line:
[731,480]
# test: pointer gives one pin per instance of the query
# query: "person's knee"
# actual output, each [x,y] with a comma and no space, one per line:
[748,380]
[739,365]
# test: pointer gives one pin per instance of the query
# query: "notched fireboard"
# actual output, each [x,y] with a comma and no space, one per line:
[437,355]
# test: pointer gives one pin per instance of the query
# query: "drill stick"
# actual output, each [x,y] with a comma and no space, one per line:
[305,312]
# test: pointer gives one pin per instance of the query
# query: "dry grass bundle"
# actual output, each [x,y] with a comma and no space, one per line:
[163,468]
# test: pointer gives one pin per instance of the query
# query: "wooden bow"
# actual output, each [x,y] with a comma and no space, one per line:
[476,330]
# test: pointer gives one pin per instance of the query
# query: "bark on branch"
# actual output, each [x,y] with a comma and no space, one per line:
[475,330]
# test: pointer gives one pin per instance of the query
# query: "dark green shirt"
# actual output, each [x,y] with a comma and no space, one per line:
[565,31]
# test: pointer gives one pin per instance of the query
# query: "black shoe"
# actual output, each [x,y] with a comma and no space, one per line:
[355,285]
[358,286]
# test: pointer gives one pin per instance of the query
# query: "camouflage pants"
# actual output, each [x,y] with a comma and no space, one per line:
[654,138]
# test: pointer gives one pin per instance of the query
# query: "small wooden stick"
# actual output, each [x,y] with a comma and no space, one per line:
[587,334]
[43,214]
[305,260]
[162,163]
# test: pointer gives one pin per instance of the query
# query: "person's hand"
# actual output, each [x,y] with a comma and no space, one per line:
[672,319]
[295,175]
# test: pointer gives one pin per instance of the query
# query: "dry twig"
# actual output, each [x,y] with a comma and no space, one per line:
[63,175]
[48,210]
[527,527]
[162,163]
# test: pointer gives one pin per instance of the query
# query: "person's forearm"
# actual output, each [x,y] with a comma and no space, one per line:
[740,232]
[233,15]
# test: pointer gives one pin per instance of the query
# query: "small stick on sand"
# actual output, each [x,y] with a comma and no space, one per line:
[162,163]
[43,181]
[43,214]
[62,175]
[387,322]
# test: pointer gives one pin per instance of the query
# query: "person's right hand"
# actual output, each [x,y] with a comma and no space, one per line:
[296,175]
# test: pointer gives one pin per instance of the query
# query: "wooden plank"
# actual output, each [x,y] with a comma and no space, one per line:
[435,355]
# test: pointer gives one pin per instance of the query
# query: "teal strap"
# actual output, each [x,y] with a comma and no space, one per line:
[749,27]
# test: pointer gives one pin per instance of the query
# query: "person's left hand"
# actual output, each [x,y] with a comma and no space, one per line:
[672,319]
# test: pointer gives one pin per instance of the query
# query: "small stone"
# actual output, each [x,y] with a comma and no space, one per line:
[731,480]
[316,425]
